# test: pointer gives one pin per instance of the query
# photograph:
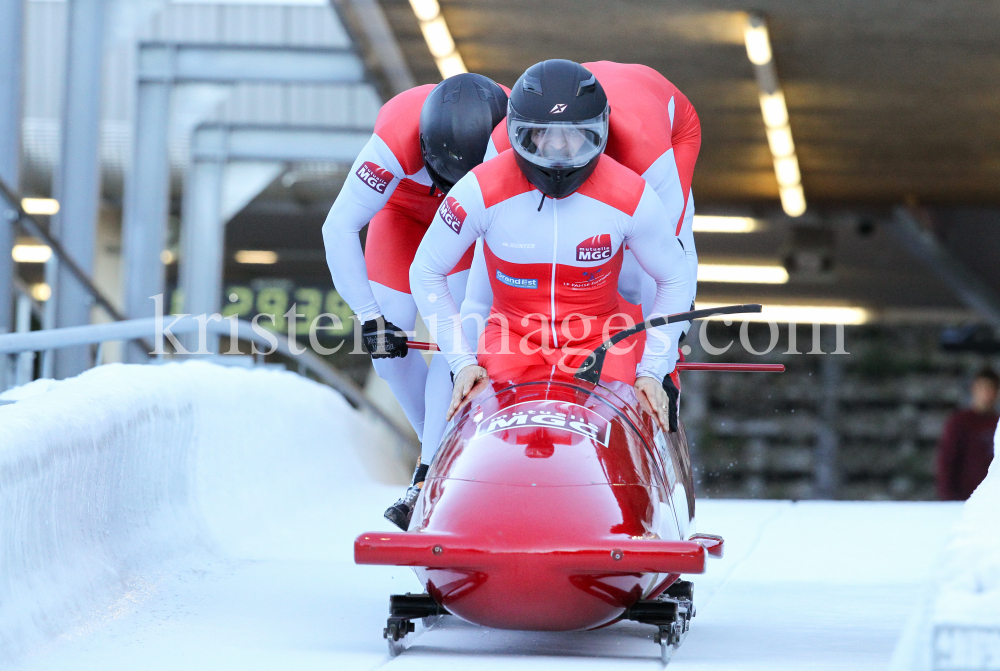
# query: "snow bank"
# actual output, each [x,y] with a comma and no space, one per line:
[958,627]
[108,477]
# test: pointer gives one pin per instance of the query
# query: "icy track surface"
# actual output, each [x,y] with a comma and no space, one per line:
[261,573]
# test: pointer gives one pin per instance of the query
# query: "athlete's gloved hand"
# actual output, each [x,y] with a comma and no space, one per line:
[383,339]
[470,381]
[673,396]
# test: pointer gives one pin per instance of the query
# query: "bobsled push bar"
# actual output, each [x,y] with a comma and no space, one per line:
[589,372]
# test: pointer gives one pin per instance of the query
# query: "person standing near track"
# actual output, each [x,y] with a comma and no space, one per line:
[554,214]
[425,140]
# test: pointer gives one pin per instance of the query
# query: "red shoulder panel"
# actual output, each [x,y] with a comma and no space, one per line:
[500,138]
[639,96]
[500,179]
[398,124]
[615,185]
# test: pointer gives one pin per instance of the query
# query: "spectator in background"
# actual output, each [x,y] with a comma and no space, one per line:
[966,446]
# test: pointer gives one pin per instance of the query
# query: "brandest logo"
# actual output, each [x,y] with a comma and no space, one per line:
[375,177]
[596,248]
[556,415]
[452,213]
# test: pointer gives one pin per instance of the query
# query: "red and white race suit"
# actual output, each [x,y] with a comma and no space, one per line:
[389,187]
[654,131]
[553,271]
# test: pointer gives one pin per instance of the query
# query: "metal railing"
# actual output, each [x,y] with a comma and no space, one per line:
[152,329]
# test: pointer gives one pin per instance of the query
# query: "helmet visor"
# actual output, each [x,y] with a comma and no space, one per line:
[570,144]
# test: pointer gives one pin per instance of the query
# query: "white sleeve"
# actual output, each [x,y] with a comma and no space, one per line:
[491,150]
[687,239]
[660,254]
[478,296]
[460,219]
[374,176]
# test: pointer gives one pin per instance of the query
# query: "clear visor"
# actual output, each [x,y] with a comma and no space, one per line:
[570,144]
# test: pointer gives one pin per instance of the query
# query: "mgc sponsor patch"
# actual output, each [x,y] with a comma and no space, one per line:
[596,248]
[374,177]
[452,213]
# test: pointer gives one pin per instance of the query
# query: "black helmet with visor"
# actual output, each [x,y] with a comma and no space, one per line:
[455,125]
[557,121]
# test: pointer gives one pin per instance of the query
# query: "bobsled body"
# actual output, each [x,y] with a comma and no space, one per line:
[551,505]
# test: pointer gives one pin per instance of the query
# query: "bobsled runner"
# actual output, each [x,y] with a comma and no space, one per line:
[554,504]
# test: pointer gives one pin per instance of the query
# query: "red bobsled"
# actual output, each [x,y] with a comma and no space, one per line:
[553,504]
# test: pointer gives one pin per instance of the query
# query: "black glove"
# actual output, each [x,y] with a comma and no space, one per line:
[383,339]
[674,395]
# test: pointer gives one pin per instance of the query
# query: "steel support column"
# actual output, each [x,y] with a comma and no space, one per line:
[77,182]
[11,95]
[147,200]
[202,244]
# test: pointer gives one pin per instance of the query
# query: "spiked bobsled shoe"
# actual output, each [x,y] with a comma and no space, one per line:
[401,511]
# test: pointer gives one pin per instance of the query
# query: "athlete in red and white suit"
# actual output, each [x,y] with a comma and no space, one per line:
[553,270]
[654,131]
[388,186]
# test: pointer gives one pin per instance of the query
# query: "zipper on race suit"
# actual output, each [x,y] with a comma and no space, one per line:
[552,284]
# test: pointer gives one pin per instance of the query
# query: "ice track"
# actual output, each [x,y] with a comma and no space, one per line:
[262,576]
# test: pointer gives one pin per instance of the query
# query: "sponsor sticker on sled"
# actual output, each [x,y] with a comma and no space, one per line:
[557,415]
[596,248]
[452,213]
[373,176]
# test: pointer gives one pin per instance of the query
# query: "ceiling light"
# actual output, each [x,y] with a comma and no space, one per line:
[41,292]
[256,256]
[426,10]
[714,224]
[47,206]
[449,66]
[31,253]
[793,200]
[712,272]
[438,37]
[780,141]
[758,43]
[798,314]
[775,113]
[786,169]
[772,106]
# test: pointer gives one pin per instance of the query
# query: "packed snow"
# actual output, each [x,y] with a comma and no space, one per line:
[191,517]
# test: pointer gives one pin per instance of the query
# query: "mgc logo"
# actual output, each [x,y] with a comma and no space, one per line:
[375,177]
[452,213]
[596,248]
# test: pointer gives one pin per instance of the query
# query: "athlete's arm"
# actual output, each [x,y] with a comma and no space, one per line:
[374,176]
[460,219]
[660,254]
[478,296]
[686,237]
